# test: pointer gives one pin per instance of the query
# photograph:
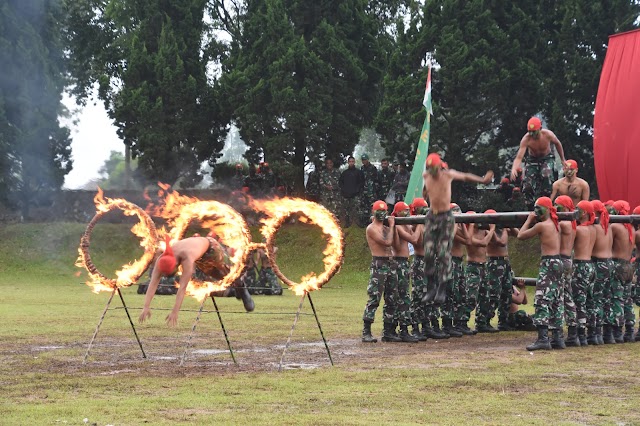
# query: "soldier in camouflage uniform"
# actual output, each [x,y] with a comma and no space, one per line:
[601,257]
[250,275]
[454,308]
[499,277]
[479,295]
[383,276]
[385,179]
[312,189]
[369,190]
[351,184]
[330,188]
[539,173]
[550,266]
[268,280]
[583,274]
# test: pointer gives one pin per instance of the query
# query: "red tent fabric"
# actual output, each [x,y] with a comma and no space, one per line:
[616,126]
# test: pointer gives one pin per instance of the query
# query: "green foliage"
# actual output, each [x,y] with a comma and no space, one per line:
[302,78]
[35,149]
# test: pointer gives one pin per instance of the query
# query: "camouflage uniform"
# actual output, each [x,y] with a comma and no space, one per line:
[312,190]
[613,294]
[475,277]
[627,276]
[454,307]
[499,276]
[547,289]
[570,313]
[369,192]
[520,320]
[595,309]
[403,306]
[385,180]
[636,289]
[539,175]
[438,241]
[269,282]
[418,290]
[251,281]
[330,198]
[382,280]
[582,280]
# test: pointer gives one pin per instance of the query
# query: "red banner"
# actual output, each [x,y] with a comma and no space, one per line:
[616,125]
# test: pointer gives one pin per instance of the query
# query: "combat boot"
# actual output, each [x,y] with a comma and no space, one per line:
[448,328]
[366,333]
[582,336]
[599,337]
[617,333]
[592,339]
[405,336]
[389,333]
[628,332]
[417,333]
[247,301]
[486,328]
[437,333]
[543,340]
[463,328]
[557,341]
[572,337]
[607,335]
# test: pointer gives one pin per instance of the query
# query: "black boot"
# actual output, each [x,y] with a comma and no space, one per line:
[463,328]
[417,333]
[247,301]
[437,333]
[607,335]
[572,337]
[389,333]
[592,339]
[628,332]
[366,333]
[486,328]
[405,336]
[557,342]
[582,336]
[617,333]
[448,328]
[599,337]
[543,340]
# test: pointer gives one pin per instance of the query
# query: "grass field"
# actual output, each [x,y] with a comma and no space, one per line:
[48,315]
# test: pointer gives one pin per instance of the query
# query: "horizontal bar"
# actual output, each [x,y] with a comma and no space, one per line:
[527,281]
[503,218]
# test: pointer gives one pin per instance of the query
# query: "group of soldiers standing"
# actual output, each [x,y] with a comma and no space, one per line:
[350,193]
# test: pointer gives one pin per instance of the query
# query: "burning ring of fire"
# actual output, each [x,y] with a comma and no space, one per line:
[130,273]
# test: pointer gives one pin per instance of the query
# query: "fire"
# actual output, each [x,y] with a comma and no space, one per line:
[279,210]
[131,272]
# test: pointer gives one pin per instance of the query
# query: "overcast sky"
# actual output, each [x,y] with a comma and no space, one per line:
[94,137]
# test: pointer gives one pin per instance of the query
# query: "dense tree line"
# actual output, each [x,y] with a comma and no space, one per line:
[301,80]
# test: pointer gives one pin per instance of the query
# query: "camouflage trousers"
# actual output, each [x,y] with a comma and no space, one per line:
[490,289]
[539,175]
[475,277]
[332,201]
[270,282]
[499,280]
[629,288]
[454,307]
[595,307]
[403,304]
[636,288]
[364,208]
[520,320]
[250,280]
[418,290]
[564,308]
[382,282]
[614,296]
[582,277]
[350,211]
[547,285]
[438,241]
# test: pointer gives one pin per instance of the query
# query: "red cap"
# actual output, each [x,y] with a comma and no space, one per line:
[572,164]
[516,189]
[445,165]
[166,264]
[379,205]
[504,180]
[546,202]
[609,203]
[434,160]
[636,210]
[489,211]
[399,207]
[417,203]
[245,189]
[622,207]
[587,207]
[566,202]
[598,207]
[534,124]
[454,205]
[470,212]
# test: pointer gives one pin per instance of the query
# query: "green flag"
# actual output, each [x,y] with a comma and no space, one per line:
[416,182]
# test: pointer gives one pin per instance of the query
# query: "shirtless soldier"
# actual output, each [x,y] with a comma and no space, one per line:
[380,239]
[619,312]
[439,224]
[539,172]
[478,292]
[571,185]
[550,266]
[584,271]
[601,257]
[204,252]
[403,234]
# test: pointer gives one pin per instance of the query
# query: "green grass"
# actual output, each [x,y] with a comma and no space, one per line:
[48,316]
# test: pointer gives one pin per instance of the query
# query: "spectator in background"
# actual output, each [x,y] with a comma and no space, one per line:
[505,189]
[385,179]
[401,182]
[330,188]
[351,186]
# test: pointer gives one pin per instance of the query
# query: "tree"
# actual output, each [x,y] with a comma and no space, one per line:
[302,79]
[114,176]
[150,65]
[35,149]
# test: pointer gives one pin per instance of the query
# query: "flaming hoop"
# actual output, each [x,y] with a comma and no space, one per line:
[130,273]
[279,210]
